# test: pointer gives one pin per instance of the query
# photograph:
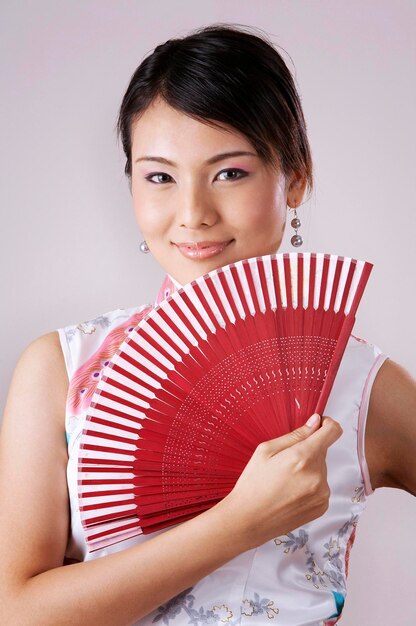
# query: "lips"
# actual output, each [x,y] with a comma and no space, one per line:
[202,249]
[200,245]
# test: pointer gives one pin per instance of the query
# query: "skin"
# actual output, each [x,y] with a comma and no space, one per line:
[287,475]
[195,202]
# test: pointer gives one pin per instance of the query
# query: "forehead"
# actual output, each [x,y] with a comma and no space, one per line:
[165,131]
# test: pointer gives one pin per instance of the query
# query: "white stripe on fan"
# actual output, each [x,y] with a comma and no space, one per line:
[282,280]
[330,280]
[306,278]
[220,291]
[189,316]
[231,283]
[190,291]
[211,302]
[159,339]
[244,282]
[342,280]
[354,284]
[318,278]
[253,263]
[293,262]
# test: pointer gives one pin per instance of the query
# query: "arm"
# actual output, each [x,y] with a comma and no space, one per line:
[391,429]
[116,589]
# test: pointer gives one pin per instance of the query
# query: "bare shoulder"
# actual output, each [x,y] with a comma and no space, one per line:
[47,349]
[390,437]
[40,371]
[33,456]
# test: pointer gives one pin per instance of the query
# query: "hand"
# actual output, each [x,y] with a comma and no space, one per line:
[284,484]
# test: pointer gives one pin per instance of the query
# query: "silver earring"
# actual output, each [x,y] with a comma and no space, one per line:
[296,240]
[144,247]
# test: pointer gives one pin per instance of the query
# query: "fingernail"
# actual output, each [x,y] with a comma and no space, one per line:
[313,420]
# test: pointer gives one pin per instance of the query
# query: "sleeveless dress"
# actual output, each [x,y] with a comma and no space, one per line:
[297,579]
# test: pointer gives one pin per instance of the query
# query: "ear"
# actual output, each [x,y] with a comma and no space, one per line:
[296,189]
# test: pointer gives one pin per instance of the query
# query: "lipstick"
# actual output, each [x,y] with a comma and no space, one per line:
[202,249]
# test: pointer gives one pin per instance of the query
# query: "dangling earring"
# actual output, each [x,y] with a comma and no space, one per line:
[296,240]
[144,247]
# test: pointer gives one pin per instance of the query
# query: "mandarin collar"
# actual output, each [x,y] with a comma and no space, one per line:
[169,285]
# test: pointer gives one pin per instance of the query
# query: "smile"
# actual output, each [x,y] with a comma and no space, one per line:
[203,249]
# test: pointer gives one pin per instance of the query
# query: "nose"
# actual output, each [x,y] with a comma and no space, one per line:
[195,209]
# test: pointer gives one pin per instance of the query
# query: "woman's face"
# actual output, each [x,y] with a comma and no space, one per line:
[202,195]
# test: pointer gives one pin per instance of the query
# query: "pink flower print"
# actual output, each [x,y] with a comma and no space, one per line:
[166,289]
[85,379]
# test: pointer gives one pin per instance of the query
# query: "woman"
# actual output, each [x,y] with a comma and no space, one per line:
[216,147]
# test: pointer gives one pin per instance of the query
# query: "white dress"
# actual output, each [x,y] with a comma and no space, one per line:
[298,579]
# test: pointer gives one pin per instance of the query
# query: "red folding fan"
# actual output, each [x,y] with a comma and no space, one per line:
[241,355]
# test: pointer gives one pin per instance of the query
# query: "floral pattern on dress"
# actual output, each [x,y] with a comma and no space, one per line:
[184,602]
[85,379]
[320,577]
[336,557]
[359,493]
[259,606]
[219,613]
[88,327]
[333,572]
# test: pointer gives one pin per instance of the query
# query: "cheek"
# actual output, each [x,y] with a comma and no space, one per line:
[260,207]
[270,209]
[150,219]
[258,218]
[144,213]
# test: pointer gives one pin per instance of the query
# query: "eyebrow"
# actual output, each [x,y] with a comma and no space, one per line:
[214,159]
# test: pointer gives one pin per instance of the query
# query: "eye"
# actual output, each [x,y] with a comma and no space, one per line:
[226,171]
[150,176]
[233,170]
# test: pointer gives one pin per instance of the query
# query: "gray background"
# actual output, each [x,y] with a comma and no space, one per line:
[69,241]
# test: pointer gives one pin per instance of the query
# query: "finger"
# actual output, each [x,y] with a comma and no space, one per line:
[295,436]
[324,436]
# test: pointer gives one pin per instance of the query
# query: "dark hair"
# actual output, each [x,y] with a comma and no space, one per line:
[220,74]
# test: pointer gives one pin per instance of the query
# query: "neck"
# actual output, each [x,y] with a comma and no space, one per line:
[174,281]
